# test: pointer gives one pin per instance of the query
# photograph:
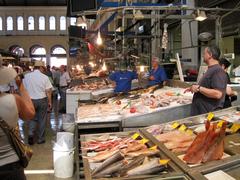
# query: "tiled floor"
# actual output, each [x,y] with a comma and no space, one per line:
[41,165]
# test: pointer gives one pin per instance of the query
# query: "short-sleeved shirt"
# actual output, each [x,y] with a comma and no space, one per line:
[123,80]
[214,78]
[159,76]
[64,79]
[36,83]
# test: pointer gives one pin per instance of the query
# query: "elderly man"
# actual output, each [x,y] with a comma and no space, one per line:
[64,82]
[209,93]
[39,88]
[157,74]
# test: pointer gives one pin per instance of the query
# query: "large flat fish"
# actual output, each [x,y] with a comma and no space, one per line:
[133,146]
[144,152]
[117,156]
[148,168]
[101,156]
[175,135]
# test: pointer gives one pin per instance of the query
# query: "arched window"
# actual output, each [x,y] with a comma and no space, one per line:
[30,23]
[41,23]
[58,56]
[20,23]
[73,21]
[9,23]
[62,23]
[1,26]
[38,52]
[52,23]
[15,49]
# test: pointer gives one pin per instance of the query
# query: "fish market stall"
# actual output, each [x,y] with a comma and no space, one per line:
[125,155]
[204,143]
[139,108]
[90,89]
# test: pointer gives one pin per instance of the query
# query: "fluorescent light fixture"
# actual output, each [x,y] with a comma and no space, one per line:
[99,39]
[200,15]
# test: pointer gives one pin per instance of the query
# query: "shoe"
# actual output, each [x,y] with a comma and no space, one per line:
[41,142]
[30,140]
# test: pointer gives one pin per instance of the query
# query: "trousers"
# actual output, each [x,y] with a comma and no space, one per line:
[40,118]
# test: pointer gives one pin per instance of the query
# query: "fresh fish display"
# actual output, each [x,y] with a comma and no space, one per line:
[207,145]
[124,105]
[131,155]
[96,85]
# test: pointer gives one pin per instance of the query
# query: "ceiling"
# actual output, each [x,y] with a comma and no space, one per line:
[33,2]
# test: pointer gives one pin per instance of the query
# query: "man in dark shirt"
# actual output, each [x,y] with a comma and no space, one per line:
[230,94]
[209,93]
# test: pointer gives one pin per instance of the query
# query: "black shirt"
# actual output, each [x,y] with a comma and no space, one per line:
[214,78]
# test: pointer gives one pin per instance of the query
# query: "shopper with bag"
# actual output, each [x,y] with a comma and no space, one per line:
[12,106]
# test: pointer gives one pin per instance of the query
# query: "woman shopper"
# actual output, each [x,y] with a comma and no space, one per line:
[12,106]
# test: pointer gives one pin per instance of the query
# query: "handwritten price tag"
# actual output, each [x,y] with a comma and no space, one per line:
[135,136]
[235,128]
[175,125]
[164,161]
[143,141]
[220,123]
[189,131]
[153,148]
[210,116]
[182,128]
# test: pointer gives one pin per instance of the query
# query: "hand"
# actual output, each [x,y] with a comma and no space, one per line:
[195,88]
[187,90]
[49,106]
[151,78]
[18,81]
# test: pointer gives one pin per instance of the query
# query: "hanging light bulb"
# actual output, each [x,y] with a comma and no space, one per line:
[104,67]
[78,67]
[91,64]
[141,68]
[99,39]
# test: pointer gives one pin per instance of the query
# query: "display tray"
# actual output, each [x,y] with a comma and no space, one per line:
[171,170]
[229,171]
[232,142]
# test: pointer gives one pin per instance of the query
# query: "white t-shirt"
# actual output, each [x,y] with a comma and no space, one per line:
[64,79]
[36,83]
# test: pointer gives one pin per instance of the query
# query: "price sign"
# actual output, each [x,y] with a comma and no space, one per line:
[143,141]
[235,128]
[182,128]
[135,136]
[210,116]
[175,125]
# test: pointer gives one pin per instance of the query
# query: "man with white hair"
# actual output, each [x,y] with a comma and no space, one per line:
[157,74]
[39,88]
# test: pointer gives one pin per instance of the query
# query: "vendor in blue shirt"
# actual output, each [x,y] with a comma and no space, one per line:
[157,75]
[123,80]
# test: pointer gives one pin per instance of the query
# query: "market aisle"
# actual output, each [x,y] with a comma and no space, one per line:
[41,164]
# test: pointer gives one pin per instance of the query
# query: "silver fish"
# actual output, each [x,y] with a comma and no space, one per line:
[115,157]
[149,168]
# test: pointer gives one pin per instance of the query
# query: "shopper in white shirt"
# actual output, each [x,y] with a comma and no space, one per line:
[39,88]
[63,85]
